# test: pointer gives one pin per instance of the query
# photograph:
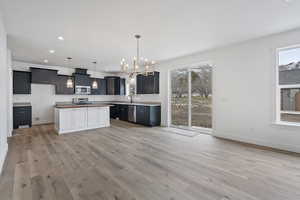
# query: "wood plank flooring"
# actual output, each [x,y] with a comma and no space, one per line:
[130,162]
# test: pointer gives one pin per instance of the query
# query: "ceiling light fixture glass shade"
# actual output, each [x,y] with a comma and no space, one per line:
[95,83]
[139,65]
[70,83]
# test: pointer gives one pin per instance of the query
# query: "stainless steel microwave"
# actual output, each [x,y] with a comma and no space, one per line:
[83,90]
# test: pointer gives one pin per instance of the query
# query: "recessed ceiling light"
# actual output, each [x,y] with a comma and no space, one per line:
[51,51]
[46,61]
[60,38]
[288,1]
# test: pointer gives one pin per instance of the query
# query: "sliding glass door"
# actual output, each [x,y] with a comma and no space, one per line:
[191,97]
[180,106]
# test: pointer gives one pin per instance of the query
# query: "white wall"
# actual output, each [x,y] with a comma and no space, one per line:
[43,97]
[3,92]
[244,91]
[9,93]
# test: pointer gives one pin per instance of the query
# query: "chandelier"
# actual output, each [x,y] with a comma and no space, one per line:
[140,65]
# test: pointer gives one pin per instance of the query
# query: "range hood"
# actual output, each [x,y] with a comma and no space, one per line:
[80,71]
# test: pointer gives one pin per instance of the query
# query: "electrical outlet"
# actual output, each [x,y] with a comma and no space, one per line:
[37,119]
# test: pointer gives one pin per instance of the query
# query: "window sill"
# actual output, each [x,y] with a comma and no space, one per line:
[287,124]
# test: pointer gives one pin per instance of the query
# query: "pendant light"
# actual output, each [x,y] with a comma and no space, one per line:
[95,83]
[70,80]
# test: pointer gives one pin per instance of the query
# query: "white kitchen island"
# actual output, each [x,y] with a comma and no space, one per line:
[72,118]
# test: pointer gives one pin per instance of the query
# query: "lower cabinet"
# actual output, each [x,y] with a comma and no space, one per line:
[98,117]
[144,115]
[123,112]
[22,116]
[78,119]
[148,115]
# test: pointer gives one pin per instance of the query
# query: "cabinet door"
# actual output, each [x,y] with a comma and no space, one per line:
[156,83]
[122,86]
[21,116]
[139,84]
[110,86]
[102,87]
[65,119]
[80,118]
[154,115]
[124,112]
[148,84]
[21,82]
[43,76]
[105,116]
[98,117]
[140,115]
[94,117]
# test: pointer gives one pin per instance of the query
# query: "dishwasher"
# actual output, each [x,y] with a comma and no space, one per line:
[132,113]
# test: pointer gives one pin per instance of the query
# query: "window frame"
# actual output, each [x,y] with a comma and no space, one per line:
[280,87]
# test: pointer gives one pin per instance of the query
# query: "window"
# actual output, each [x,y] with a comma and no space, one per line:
[288,85]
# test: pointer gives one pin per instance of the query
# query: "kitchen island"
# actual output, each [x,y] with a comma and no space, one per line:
[75,117]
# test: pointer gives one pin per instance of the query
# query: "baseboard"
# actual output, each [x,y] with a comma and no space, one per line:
[284,147]
[3,156]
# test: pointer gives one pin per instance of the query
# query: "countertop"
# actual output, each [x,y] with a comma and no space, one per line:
[136,103]
[22,104]
[103,104]
[71,105]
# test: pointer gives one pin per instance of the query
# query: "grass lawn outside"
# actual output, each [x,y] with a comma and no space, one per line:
[201,111]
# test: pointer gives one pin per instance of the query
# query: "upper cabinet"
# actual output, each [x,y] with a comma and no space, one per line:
[101,86]
[147,84]
[43,76]
[115,85]
[122,86]
[21,82]
[61,85]
[82,79]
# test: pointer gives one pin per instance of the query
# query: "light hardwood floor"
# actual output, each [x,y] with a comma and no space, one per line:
[132,162]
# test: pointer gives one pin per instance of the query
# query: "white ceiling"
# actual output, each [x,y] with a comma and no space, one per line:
[104,29]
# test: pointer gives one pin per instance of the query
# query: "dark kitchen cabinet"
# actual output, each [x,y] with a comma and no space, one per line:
[147,84]
[139,84]
[101,86]
[21,82]
[61,85]
[123,112]
[115,85]
[148,115]
[22,116]
[43,76]
[122,86]
[82,79]
[141,115]
[114,111]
